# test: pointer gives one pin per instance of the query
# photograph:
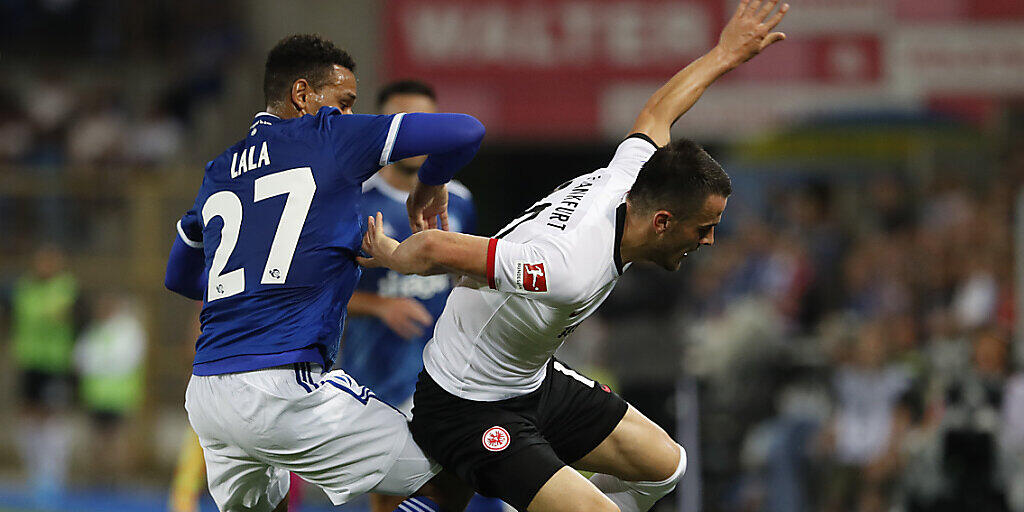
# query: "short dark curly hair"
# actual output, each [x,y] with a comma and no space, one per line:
[406,86]
[308,56]
[679,178]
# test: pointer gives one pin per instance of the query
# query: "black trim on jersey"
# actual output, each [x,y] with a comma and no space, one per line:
[642,136]
[620,223]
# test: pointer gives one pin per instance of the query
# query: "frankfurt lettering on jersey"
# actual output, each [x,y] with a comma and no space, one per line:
[560,214]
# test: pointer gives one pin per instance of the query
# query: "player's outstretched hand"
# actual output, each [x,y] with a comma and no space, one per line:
[750,29]
[406,317]
[428,207]
[379,246]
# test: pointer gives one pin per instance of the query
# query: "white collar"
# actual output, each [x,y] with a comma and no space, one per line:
[385,188]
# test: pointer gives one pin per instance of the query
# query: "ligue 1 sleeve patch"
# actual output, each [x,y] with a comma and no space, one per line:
[496,439]
[531,277]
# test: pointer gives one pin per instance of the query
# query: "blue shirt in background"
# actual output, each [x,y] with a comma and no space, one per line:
[373,354]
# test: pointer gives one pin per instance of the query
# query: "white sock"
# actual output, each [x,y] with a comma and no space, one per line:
[638,496]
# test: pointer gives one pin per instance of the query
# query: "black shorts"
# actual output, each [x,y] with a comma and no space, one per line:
[509,449]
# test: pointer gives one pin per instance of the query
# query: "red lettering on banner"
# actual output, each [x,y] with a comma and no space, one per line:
[538,69]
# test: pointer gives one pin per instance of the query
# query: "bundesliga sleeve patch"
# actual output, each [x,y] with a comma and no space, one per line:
[531,277]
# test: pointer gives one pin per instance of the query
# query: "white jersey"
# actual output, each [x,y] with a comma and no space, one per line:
[547,271]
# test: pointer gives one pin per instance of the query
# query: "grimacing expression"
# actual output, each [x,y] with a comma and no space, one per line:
[685,235]
[409,102]
[339,91]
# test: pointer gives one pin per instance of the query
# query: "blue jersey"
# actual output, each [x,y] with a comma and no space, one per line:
[375,355]
[277,216]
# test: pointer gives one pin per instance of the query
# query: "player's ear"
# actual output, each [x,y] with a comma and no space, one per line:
[662,219]
[300,95]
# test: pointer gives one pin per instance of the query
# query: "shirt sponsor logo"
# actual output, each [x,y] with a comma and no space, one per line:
[531,277]
[394,284]
[496,439]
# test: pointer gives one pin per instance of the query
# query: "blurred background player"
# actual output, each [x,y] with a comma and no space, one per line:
[393,315]
[109,358]
[43,311]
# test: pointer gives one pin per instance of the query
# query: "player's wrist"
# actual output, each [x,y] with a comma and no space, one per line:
[383,306]
[723,59]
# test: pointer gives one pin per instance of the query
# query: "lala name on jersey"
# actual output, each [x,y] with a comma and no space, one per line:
[563,210]
[247,160]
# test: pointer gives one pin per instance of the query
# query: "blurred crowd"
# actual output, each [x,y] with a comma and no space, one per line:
[74,356]
[63,127]
[852,342]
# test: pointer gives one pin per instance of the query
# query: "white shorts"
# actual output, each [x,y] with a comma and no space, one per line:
[257,426]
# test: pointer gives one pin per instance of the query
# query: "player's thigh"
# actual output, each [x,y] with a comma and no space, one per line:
[410,470]
[568,491]
[577,413]
[239,483]
[495,447]
[348,442]
[237,480]
[637,450]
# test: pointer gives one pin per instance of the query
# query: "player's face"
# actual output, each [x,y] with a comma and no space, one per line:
[688,234]
[409,103]
[338,91]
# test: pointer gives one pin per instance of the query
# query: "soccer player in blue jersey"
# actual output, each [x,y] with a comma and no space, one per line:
[270,246]
[392,315]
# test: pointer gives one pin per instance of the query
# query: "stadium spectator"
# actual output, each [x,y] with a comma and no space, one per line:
[155,140]
[43,330]
[109,357]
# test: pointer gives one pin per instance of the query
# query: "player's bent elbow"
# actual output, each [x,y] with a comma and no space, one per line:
[473,130]
[650,123]
[182,289]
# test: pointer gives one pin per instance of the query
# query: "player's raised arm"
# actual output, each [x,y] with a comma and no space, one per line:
[748,32]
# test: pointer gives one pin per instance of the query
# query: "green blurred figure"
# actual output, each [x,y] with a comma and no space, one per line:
[109,358]
[43,332]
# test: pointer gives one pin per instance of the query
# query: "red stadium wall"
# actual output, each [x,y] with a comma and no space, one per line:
[581,68]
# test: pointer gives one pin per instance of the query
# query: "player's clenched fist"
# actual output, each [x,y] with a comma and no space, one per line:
[750,30]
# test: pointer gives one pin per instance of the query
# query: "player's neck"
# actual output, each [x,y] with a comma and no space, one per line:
[286,111]
[631,245]
[397,178]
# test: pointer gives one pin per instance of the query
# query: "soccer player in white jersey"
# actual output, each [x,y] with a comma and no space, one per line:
[492,405]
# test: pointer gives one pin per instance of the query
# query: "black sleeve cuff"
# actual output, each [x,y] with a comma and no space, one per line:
[641,136]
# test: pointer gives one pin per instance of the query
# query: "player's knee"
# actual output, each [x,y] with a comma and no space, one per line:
[680,466]
[660,488]
[668,462]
